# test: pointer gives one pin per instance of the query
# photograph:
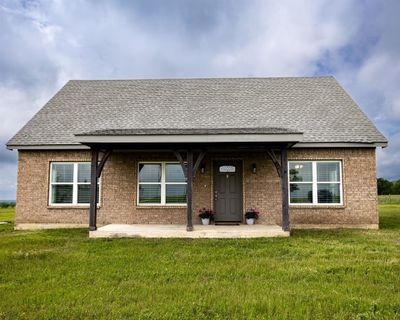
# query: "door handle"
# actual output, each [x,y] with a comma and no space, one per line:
[215,195]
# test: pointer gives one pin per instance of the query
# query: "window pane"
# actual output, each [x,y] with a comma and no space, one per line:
[301,193]
[328,193]
[328,171]
[149,193]
[149,172]
[300,171]
[176,193]
[61,194]
[174,173]
[84,193]
[227,169]
[62,172]
[84,172]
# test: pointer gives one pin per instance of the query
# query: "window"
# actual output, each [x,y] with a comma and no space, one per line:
[161,183]
[70,183]
[315,182]
[227,169]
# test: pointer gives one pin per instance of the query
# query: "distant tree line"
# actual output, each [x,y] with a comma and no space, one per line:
[5,204]
[388,187]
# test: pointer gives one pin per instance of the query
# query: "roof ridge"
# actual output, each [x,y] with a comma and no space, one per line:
[202,130]
[205,78]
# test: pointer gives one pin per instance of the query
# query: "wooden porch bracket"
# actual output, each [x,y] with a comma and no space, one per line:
[199,159]
[181,161]
[103,161]
[271,154]
[285,190]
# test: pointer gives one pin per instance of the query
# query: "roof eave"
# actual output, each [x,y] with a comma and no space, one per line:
[297,144]
[192,138]
[47,147]
[341,145]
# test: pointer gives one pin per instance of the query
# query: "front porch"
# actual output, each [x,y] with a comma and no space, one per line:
[180,231]
[214,153]
[231,181]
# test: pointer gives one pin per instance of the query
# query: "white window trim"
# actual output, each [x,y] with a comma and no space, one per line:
[315,183]
[163,184]
[74,184]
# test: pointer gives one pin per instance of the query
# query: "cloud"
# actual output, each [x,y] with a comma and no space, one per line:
[179,39]
[45,43]
[8,181]
[389,159]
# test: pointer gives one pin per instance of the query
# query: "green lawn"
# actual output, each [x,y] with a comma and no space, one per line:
[389,199]
[61,274]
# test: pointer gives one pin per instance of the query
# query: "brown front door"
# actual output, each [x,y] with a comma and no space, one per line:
[228,196]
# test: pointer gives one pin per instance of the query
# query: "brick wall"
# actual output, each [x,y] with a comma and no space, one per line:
[33,188]
[359,190]
[260,190]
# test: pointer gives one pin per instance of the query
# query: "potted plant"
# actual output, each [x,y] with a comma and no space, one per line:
[206,215]
[251,216]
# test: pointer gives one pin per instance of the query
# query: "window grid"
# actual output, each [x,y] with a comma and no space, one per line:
[74,184]
[163,184]
[315,183]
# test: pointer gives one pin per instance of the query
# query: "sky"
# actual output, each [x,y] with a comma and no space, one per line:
[43,44]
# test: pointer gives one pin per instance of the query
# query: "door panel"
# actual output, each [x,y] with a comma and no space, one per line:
[233,206]
[233,184]
[228,197]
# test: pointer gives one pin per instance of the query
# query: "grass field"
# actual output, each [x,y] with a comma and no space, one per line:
[61,274]
[390,198]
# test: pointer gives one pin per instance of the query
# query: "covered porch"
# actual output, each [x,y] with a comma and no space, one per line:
[189,149]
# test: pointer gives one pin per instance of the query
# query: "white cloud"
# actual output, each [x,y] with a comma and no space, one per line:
[381,74]
[287,38]
[8,181]
[17,106]
[389,159]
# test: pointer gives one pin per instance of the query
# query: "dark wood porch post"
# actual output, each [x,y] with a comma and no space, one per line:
[285,193]
[93,190]
[189,187]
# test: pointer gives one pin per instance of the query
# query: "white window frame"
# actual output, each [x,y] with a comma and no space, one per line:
[74,184]
[163,184]
[315,183]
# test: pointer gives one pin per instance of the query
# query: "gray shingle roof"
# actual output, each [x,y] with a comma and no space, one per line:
[316,106]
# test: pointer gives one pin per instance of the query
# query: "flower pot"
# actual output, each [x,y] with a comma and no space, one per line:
[205,221]
[250,220]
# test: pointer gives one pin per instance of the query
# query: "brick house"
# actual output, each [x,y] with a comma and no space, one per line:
[155,151]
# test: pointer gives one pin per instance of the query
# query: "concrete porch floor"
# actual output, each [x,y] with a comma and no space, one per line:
[179,231]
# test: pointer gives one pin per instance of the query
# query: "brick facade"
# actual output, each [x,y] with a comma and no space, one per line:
[260,190]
